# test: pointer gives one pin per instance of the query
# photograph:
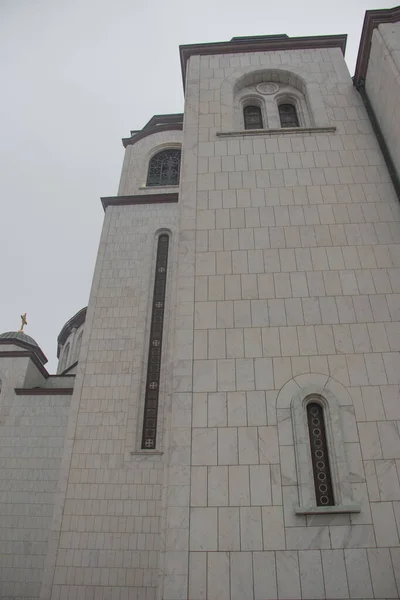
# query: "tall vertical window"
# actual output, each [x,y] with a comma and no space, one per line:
[252,117]
[78,347]
[319,455]
[164,168]
[288,115]
[64,360]
[155,346]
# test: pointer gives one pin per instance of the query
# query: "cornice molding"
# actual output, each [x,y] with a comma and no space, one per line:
[139,199]
[146,131]
[260,45]
[76,321]
[372,19]
[43,391]
[27,353]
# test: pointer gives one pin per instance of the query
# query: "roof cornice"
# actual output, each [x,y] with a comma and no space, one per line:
[372,19]
[157,123]
[139,199]
[260,45]
[76,321]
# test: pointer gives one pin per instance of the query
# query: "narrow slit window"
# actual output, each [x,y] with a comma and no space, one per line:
[164,168]
[319,455]
[155,346]
[252,117]
[288,115]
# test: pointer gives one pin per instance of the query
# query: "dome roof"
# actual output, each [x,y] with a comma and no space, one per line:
[26,341]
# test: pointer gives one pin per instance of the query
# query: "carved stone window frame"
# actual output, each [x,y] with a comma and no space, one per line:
[298,101]
[156,341]
[330,394]
[253,100]
[151,155]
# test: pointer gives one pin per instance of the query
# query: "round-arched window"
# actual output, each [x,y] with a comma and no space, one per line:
[164,168]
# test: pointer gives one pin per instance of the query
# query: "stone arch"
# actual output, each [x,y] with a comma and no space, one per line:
[296,77]
[333,397]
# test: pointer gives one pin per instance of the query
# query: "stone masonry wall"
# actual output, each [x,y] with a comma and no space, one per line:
[285,256]
[383,84]
[106,532]
[32,432]
[297,261]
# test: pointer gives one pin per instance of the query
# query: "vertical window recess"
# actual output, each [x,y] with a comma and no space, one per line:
[155,346]
[288,115]
[319,455]
[252,117]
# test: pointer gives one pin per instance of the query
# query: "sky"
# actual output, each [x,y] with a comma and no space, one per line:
[76,77]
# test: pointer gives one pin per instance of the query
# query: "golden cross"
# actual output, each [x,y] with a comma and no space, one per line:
[23,322]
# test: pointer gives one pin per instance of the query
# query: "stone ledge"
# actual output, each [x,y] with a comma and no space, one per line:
[155,198]
[284,131]
[326,510]
[146,453]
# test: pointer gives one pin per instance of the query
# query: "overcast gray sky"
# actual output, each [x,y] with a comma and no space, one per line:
[76,77]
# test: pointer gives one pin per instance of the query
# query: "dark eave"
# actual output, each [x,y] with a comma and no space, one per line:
[260,44]
[38,391]
[170,122]
[372,19]
[75,322]
[139,199]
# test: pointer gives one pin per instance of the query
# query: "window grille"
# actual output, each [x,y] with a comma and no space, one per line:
[319,455]
[252,117]
[164,168]
[155,346]
[288,115]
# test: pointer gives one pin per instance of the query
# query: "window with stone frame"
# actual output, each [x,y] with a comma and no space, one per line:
[252,117]
[288,115]
[164,168]
[155,346]
[319,455]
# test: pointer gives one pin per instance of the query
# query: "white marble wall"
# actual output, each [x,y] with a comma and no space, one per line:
[106,534]
[382,84]
[32,432]
[284,263]
[296,274]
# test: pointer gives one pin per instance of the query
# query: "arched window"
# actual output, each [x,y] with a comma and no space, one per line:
[78,347]
[288,115]
[64,360]
[319,455]
[252,117]
[155,346]
[164,168]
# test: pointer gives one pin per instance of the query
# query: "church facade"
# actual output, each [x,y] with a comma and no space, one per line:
[224,422]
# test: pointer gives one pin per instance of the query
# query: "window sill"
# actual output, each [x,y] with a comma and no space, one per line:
[327,510]
[153,188]
[281,131]
[146,453]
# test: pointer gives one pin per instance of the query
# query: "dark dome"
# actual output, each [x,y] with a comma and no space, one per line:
[26,341]
[19,335]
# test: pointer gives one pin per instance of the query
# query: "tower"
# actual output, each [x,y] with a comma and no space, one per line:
[233,428]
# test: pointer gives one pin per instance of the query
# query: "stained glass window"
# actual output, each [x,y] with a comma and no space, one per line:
[288,115]
[155,346]
[319,455]
[164,168]
[252,117]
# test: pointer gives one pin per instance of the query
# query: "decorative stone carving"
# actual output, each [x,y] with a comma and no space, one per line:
[267,88]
